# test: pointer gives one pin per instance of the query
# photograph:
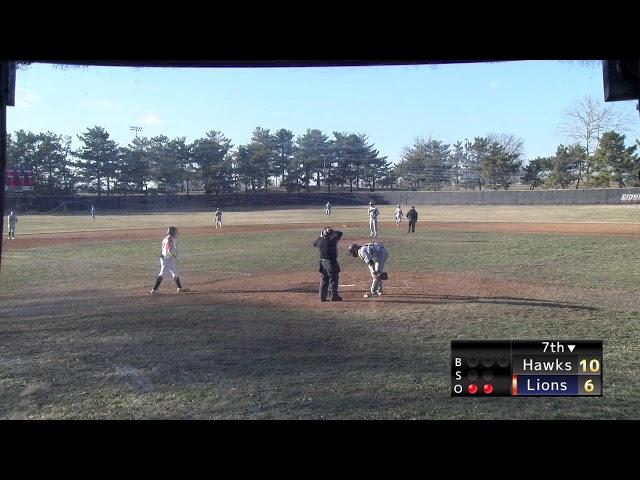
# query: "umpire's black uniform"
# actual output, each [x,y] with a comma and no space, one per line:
[329,268]
[412,216]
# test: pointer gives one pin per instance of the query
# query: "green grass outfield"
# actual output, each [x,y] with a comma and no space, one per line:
[627,214]
[81,338]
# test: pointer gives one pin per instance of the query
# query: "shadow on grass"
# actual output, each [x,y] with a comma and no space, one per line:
[517,301]
[231,361]
[434,299]
[118,358]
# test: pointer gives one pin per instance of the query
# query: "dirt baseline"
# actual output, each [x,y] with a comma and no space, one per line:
[606,229]
[299,291]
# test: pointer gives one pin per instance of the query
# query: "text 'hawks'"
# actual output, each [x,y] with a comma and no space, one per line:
[537,366]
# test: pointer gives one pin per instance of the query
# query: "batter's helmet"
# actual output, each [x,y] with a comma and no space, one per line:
[173,231]
[353,249]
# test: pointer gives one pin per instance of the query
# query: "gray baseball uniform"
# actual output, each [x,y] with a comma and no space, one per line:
[12,219]
[373,220]
[399,215]
[375,256]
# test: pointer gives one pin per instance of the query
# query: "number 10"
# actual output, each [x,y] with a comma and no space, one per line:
[594,365]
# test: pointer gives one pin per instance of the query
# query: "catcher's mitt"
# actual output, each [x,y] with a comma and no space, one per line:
[383,276]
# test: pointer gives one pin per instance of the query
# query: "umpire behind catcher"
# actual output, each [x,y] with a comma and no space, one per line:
[329,268]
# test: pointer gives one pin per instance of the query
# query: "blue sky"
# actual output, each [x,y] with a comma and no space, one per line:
[393,105]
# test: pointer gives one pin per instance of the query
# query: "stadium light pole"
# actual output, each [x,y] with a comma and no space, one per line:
[136,129]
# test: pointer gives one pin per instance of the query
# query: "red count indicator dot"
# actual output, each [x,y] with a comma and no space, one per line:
[488,388]
[472,388]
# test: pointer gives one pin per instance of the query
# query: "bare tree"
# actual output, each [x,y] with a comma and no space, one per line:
[512,145]
[585,121]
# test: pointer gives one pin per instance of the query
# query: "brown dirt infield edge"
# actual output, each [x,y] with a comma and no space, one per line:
[61,238]
[299,290]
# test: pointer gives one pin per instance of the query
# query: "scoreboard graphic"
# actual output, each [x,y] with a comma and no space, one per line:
[18,180]
[525,368]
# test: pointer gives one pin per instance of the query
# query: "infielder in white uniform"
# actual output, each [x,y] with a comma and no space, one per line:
[373,220]
[169,259]
[12,219]
[375,256]
[327,209]
[399,215]
[218,215]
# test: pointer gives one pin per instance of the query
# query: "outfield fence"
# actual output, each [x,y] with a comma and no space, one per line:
[271,200]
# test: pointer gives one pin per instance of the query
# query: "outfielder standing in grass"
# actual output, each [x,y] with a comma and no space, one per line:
[375,256]
[218,215]
[373,220]
[329,267]
[169,259]
[93,212]
[12,219]
[398,213]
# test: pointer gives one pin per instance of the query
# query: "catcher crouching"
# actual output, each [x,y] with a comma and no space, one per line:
[375,256]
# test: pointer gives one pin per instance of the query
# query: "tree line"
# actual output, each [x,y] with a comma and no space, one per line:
[496,161]
[596,158]
[611,164]
[431,164]
[209,163]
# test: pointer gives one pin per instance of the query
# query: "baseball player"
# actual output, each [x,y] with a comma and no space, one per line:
[329,268]
[93,212]
[375,256]
[218,215]
[12,219]
[327,209]
[373,220]
[412,216]
[399,215]
[169,259]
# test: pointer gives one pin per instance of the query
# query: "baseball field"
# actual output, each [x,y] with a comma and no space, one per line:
[82,338]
